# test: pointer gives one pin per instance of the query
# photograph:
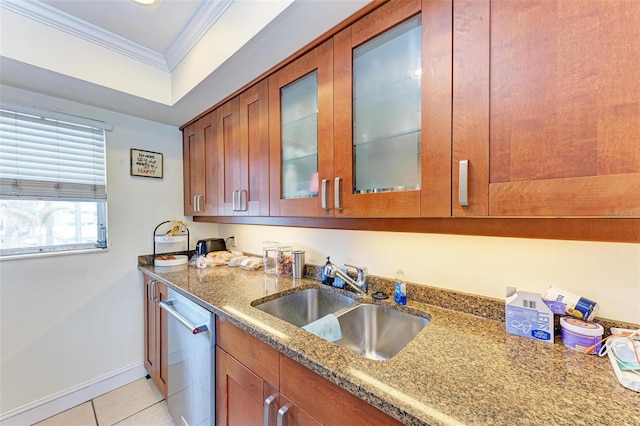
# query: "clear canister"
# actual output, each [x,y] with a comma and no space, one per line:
[283,260]
[269,256]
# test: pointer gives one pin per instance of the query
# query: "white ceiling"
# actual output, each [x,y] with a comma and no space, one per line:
[170,40]
[153,27]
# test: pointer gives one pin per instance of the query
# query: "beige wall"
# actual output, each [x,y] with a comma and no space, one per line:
[608,273]
[67,320]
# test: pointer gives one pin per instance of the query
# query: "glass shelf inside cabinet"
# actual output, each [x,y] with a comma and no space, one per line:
[299,137]
[387,110]
[300,177]
[388,164]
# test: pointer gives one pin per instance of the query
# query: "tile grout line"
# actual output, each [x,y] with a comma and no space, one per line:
[146,408]
[95,415]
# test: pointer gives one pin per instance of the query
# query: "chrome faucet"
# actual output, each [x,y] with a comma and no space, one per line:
[359,284]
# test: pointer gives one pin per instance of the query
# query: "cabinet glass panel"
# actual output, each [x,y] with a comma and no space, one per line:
[386,110]
[299,112]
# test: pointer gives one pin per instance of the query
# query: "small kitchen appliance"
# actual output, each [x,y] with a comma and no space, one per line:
[209,245]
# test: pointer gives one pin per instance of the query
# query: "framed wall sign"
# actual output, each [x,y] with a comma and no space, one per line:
[146,163]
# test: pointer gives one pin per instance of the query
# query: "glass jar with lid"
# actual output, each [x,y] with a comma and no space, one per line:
[283,260]
[269,256]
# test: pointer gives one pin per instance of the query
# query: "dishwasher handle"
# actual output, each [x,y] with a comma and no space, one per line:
[167,305]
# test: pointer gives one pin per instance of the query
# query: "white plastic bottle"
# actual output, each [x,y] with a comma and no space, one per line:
[400,294]
[576,306]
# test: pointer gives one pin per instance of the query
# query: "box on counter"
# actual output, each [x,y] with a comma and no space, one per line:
[527,315]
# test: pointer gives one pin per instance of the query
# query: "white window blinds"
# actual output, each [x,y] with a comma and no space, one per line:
[49,156]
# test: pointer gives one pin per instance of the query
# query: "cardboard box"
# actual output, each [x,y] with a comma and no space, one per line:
[527,315]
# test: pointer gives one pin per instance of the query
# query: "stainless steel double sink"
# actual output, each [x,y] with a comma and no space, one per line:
[372,331]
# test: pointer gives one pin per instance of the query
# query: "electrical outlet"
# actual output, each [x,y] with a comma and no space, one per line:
[231,242]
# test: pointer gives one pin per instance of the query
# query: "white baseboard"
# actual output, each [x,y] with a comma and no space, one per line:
[63,400]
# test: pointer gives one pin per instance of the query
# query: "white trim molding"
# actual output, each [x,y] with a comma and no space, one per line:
[55,18]
[69,398]
[202,20]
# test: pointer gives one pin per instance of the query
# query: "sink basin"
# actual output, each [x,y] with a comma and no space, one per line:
[378,332]
[305,306]
[371,331]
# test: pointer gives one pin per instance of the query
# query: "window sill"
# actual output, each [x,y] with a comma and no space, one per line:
[51,254]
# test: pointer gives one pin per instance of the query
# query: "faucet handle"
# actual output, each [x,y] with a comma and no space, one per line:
[362,270]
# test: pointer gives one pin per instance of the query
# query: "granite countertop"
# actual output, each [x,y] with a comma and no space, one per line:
[459,370]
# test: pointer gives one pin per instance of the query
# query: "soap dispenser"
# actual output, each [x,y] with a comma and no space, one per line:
[325,279]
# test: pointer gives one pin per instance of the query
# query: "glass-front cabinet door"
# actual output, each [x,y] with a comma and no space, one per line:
[387,80]
[301,134]
[299,137]
[393,112]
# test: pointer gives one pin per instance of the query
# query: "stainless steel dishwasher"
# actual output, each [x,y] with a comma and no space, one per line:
[191,361]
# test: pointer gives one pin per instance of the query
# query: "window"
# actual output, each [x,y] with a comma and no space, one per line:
[53,194]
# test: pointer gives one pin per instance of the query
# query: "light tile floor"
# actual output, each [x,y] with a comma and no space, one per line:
[137,404]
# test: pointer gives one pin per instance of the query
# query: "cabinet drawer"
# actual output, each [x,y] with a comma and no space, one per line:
[257,356]
[313,394]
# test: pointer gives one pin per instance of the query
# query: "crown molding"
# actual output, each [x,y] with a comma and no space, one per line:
[199,24]
[55,18]
[204,18]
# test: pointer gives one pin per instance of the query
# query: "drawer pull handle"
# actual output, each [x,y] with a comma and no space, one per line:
[267,409]
[282,412]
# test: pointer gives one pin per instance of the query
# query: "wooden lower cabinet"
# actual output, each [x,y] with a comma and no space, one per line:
[239,392]
[155,333]
[291,395]
[328,403]
[243,398]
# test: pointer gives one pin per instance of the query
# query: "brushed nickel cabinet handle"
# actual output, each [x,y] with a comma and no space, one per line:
[197,201]
[463,183]
[234,201]
[153,286]
[267,409]
[282,412]
[149,284]
[337,193]
[243,195]
[323,194]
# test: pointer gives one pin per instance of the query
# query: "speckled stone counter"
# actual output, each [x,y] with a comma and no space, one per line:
[460,370]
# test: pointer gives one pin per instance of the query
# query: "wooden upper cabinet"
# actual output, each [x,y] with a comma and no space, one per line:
[392,100]
[242,133]
[301,134]
[556,83]
[227,128]
[200,178]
